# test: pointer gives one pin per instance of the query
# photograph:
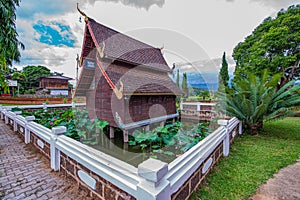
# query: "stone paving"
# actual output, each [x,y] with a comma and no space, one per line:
[26,174]
[284,185]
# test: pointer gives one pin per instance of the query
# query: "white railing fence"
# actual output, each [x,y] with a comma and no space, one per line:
[151,180]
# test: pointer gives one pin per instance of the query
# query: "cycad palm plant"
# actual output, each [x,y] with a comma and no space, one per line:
[253,99]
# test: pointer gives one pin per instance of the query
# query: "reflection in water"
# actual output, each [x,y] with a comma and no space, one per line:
[130,154]
[135,155]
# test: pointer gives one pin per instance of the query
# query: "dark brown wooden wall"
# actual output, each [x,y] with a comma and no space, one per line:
[53,83]
[130,108]
[150,106]
[107,104]
[90,103]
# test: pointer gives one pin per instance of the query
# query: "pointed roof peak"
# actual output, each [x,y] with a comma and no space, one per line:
[125,48]
[86,18]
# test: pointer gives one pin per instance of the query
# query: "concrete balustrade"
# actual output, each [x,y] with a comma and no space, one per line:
[103,174]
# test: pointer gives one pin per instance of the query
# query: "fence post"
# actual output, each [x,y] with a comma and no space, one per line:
[198,107]
[27,132]
[15,123]
[45,107]
[226,141]
[54,152]
[1,108]
[5,117]
[153,185]
[240,127]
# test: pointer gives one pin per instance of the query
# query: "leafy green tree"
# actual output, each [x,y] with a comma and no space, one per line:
[3,83]
[223,74]
[184,84]
[20,77]
[252,100]
[32,75]
[9,44]
[205,94]
[273,45]
[177,78]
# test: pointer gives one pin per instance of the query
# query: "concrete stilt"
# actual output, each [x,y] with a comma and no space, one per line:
[125,147]
[111,132]
[125,136]
[147,128]
[162,123]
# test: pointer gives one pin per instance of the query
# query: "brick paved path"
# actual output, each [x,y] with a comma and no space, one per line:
[26,174]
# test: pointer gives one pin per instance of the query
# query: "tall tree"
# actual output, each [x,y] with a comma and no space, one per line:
[184,84]
[273,45]
[223,74]
[9,43]
[177,78]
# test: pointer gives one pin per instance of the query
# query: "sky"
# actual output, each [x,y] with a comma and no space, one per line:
[189,31]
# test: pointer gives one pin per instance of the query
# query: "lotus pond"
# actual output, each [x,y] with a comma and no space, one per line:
[162,142]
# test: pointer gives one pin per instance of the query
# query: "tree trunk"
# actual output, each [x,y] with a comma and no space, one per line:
[253,129]
[260,125]
[287,78]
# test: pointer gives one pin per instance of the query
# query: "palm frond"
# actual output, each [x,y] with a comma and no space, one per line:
[253,99]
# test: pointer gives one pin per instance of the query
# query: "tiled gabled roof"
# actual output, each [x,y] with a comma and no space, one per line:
[138,82]
[124,48]
[57,77]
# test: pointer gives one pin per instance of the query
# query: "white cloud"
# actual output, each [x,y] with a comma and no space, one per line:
[30,9]
[56,58]
[215,26]
[146,4]
[206,65]
[277,4]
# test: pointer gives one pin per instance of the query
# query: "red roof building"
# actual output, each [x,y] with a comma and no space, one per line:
[125,81]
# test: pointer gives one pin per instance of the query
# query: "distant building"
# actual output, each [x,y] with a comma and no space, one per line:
[55,85]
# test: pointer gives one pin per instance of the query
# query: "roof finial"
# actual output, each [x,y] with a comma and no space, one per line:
[161,48]
[86,19]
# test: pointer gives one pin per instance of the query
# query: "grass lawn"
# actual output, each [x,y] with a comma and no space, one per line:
[252,161]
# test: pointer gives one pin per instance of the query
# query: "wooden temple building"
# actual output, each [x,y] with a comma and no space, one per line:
[126,82]
[56,85]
